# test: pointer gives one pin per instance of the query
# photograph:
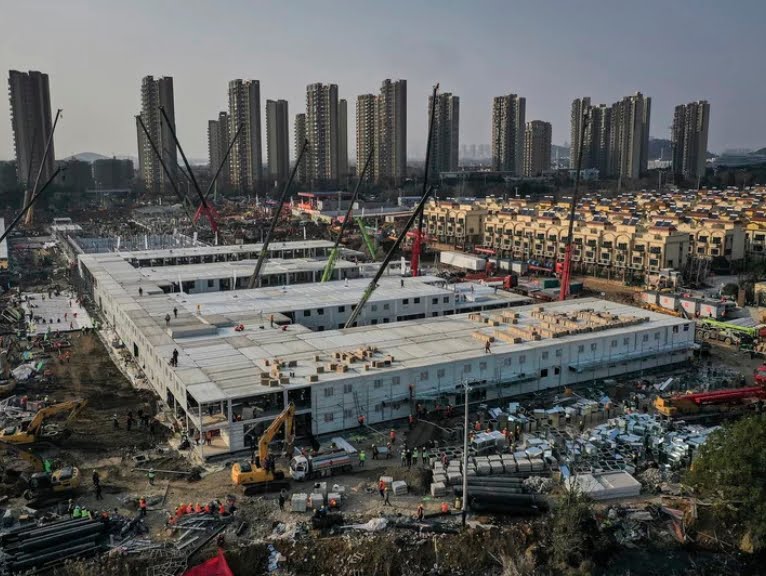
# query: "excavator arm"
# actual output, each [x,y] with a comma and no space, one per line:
[74,407]
[287,417]
[23,454]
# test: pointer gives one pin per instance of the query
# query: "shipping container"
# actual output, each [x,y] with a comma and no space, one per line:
[462,260]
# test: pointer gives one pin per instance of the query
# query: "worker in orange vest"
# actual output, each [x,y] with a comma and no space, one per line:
[392,436]
[198,508]
[477,426]
[221,509]
[207,508]
[382,489]
[142,507]
[189,508]
[445,508]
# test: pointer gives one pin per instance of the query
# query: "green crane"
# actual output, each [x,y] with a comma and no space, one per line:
[366,237]
[330,266]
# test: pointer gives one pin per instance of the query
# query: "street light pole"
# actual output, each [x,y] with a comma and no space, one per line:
[465,457]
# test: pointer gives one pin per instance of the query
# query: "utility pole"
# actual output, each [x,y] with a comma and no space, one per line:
[465,457]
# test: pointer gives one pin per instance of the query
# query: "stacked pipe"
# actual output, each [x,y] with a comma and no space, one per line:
[37,546]
[502,494]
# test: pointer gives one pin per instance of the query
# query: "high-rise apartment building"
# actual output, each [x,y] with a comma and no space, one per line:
[366,135]
[391,127]
[690,131]
[155,94]
[629,140]
[537,148]
[277,141]
[616,138]
[32,124]
[381,123]
[508,127]
[217,144]
[322,127]
[342,139]
[300,137]
[246,159]
[446,133]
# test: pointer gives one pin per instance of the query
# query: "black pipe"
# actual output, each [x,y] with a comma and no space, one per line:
[50,539]
[36,531]
[425,175]
[223,162]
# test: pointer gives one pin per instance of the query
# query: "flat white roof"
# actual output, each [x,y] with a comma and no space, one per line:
[305,296]
[194,251]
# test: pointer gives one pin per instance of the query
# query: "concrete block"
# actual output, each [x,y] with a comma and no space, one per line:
[438,490]
[317,500]
[440,478]
[495,458]
[483,469]
[523,465]
[537,464]
[338,489]
[399,488]
[496,467]
[454,478]
[510,466]
[387,481]
[298,502]
[321,487]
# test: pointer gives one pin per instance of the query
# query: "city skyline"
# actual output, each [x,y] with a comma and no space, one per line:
[464,57]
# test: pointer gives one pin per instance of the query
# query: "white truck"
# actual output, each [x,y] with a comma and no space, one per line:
[341,457]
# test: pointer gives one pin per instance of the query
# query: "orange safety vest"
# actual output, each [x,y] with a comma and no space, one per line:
[381,485]
[207,508]
[198,508]
[221,510]
[189,508]
[445,507]
[392,435]
[142,504]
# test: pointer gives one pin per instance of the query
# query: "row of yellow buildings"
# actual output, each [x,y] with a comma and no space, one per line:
[640,231]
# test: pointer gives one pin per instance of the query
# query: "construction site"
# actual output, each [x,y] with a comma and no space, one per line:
[175,400]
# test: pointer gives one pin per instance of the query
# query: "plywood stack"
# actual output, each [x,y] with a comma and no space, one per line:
[481,337]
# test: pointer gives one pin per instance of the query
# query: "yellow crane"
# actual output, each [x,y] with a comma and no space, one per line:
[41,484]
[261,475]
[30,431]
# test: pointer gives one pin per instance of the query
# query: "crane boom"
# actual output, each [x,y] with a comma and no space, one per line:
[366,237]
[23,454]
[29,205]
[374,282]
[277,210]
[218,172]
[334,253]
[417,241]
[206,208]
[173,184]
[286,418]
[31,193]
[567,268]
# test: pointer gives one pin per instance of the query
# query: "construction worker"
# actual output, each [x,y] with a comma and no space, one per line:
[410,421]
[47,466]
[404,457]
[477,426]
[115,422]
[96,478]
[415,455]
[221,509]
[487,347]
[142,507]
[374,452]
[421,512]
[392,436]
[197,508]
[77,512]
[382,489]
[70,508]
[387,496]
[360,419]
[445,508]
[206,509]
[281,501]
[151,475]
[167,319]
[362,458]
[98,492]
[175,312]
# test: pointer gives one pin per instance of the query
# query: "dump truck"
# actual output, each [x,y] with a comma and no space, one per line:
[262,476]
[339,458]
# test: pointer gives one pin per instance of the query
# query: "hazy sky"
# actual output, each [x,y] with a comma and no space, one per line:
[549,51]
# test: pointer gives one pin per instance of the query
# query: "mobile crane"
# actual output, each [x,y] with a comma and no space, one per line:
[717,402]
[261,476]
[41,484]
[30,431]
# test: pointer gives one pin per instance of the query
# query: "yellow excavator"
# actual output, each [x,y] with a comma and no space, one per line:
[261,476]
[41,484]
[30,431]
